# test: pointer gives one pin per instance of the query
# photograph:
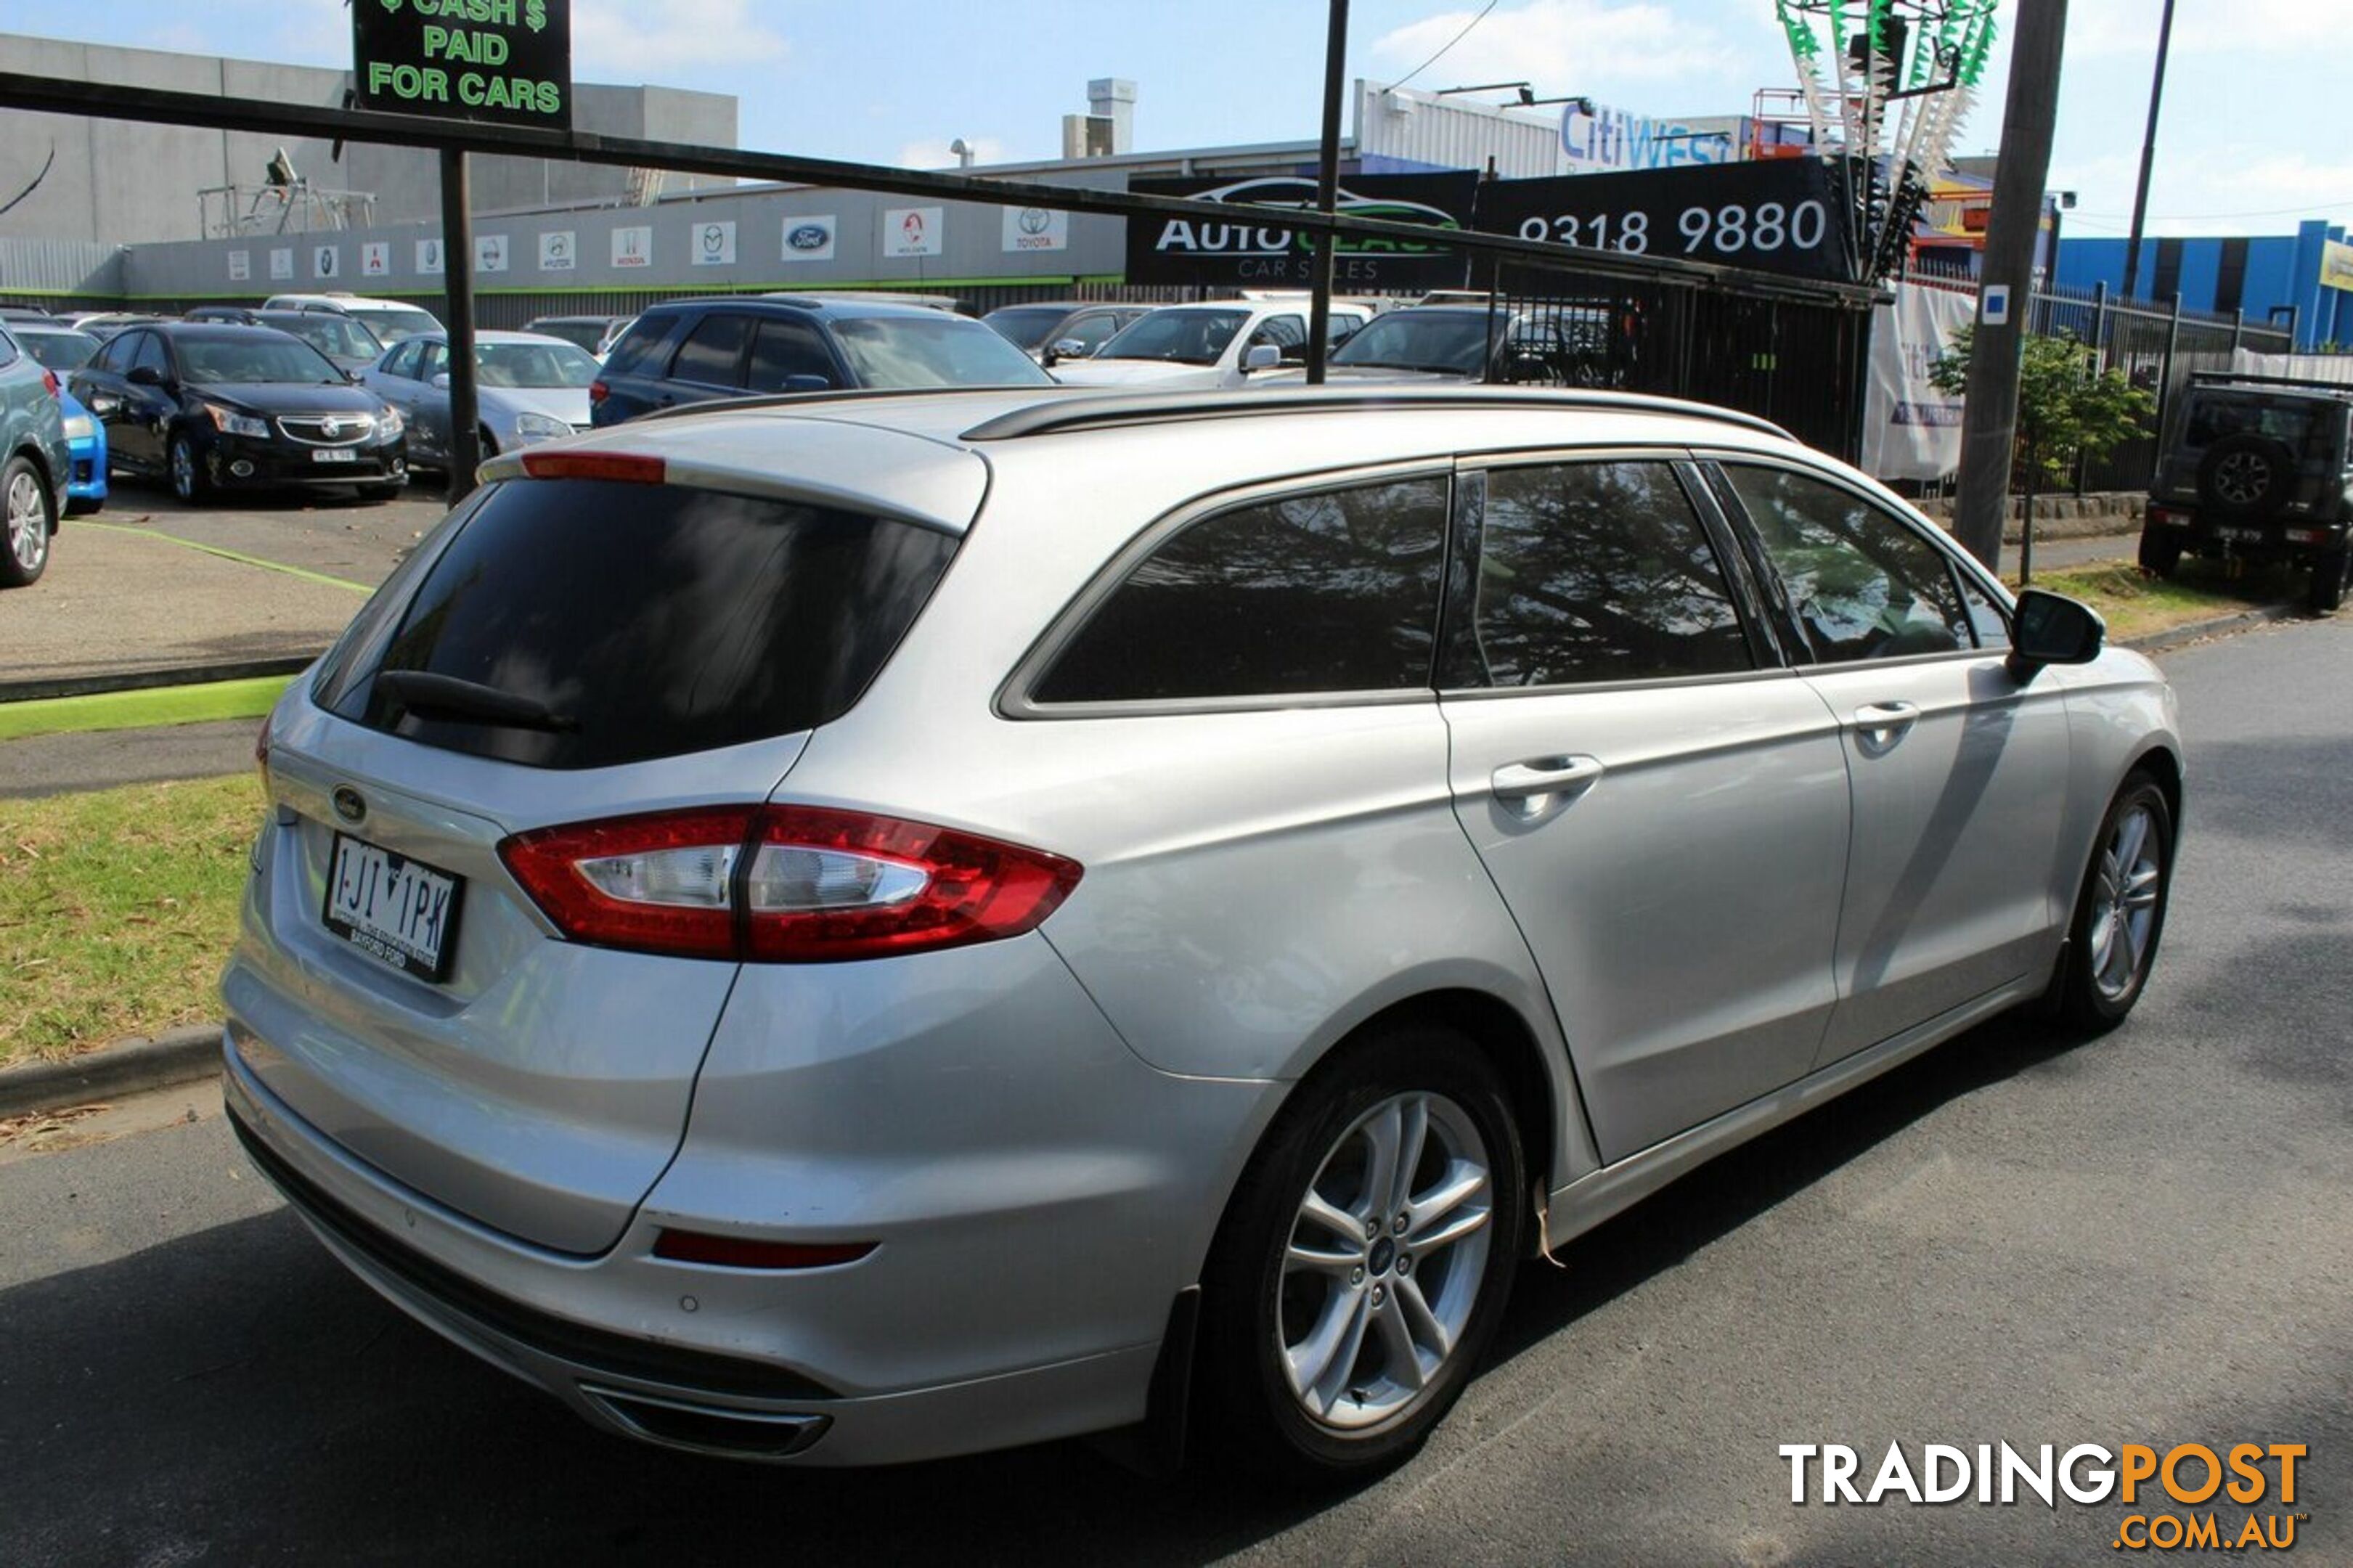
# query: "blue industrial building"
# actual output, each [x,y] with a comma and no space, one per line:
[2264,276]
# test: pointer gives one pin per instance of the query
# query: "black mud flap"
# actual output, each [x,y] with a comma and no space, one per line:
[1154,1446]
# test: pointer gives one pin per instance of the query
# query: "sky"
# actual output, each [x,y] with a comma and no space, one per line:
[2247,143]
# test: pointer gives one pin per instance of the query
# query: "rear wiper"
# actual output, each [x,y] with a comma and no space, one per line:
[430,695]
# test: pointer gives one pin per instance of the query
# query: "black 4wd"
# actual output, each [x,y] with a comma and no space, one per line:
[2259,468]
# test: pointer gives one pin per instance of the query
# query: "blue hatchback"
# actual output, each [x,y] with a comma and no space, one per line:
[63,349]
[692,351]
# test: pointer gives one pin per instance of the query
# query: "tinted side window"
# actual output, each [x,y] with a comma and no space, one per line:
[1861,583]
[1985,617]
[785,348]
[711,351]
[150,352]
[432,360]
[7,349]
[1089,331]
[637,353]
[1336,591]
[403,362]
[115,355]
[1594,571]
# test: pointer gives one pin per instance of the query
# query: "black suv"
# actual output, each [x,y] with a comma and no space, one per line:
[689,351]
[2260,468]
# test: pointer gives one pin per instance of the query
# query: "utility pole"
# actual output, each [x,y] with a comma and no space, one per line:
[2147,156]
[1328,189]
[1989,414]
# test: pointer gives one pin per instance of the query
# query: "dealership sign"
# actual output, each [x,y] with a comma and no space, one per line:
[1036,229]
[1780,216]
[1257,245]
[504,61]
[1595,137]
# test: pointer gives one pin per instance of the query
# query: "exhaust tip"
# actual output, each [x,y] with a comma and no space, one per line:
[709,1429]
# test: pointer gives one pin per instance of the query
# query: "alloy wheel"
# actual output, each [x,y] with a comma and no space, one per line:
[28,522]
[1385,1260]
[2130,880]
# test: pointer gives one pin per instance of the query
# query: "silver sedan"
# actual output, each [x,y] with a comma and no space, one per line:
[529,387]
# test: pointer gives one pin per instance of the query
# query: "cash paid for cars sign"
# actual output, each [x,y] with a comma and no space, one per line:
[1257,248]
[504,61]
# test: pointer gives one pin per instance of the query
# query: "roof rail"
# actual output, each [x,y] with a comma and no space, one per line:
[2301,383]
[1103,411]
[831,395]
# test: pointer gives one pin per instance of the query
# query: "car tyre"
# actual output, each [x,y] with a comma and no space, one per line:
[2120,910]
[2329,574]
[32,520]
[1363,1262]
[2160,551]
[190,481]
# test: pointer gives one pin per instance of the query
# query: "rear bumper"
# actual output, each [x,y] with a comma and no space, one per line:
[659,1389]
[2285,534]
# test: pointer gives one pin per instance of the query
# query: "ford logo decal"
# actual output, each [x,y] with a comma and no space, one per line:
[809,237]
[349,804]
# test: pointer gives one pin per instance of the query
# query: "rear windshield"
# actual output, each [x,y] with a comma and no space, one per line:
[647,620]
[935,350]
[2303,426]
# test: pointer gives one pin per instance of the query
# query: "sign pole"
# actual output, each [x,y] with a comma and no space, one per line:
[458,266]
[1327,190]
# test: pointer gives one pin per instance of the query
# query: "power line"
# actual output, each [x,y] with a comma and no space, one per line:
[2256,212]
[1449,44]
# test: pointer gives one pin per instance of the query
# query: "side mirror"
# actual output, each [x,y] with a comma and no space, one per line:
[808,383]
[1067,348]
[2050,628]
[144,375]
[1261,356]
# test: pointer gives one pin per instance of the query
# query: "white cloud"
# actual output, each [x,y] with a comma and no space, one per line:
[615,40]
[935,153]
[1561,45]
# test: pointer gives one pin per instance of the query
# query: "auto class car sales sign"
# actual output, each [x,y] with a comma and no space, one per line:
[504,60]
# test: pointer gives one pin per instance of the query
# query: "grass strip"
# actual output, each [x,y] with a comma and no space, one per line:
[2135,605]
[142,708]
[117,909]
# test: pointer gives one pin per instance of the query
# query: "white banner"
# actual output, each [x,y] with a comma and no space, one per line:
[715,244]
[1911,430]
[281,262]
[1036,229]
[913,231]
[633,246]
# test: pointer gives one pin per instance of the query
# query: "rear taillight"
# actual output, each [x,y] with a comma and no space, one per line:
[598,392]
[783,884]
[50,384]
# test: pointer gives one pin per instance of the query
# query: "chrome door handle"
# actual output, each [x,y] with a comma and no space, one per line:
[1544,775]
[1885,724]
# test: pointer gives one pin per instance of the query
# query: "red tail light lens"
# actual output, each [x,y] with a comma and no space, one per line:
[626,467]
[598,390]
[49,382]
[787,884]
[748,1252]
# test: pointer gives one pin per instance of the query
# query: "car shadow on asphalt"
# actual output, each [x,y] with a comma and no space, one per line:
[235,1391]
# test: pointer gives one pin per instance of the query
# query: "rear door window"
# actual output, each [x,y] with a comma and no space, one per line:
[787,348]
[1332,591]
[714,350]
[649,620]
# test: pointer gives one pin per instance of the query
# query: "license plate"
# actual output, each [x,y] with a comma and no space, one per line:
[400,911]
[2241,535]
[335,455]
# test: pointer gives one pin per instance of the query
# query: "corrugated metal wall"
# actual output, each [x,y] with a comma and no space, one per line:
[53,271]
[1402,126]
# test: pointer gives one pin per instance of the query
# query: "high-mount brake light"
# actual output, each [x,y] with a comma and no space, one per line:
[624,468]
[783,884]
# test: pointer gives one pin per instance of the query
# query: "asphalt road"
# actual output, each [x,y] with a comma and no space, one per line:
[2146,1239]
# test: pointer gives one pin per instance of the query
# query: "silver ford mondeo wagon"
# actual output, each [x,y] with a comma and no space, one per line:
[867,927]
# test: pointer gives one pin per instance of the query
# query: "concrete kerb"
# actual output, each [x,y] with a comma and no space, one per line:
[185,1055]
[124,1068]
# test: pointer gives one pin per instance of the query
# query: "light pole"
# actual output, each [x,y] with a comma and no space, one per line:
[2147,156]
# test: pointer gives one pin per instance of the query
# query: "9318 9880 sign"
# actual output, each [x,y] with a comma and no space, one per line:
[1775,216]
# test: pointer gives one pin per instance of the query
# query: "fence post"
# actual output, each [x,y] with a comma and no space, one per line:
[2238,331]
[2165,386]
[2099,364]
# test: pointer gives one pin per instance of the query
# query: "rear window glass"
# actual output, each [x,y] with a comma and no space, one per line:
[2303,427]
[649,620]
